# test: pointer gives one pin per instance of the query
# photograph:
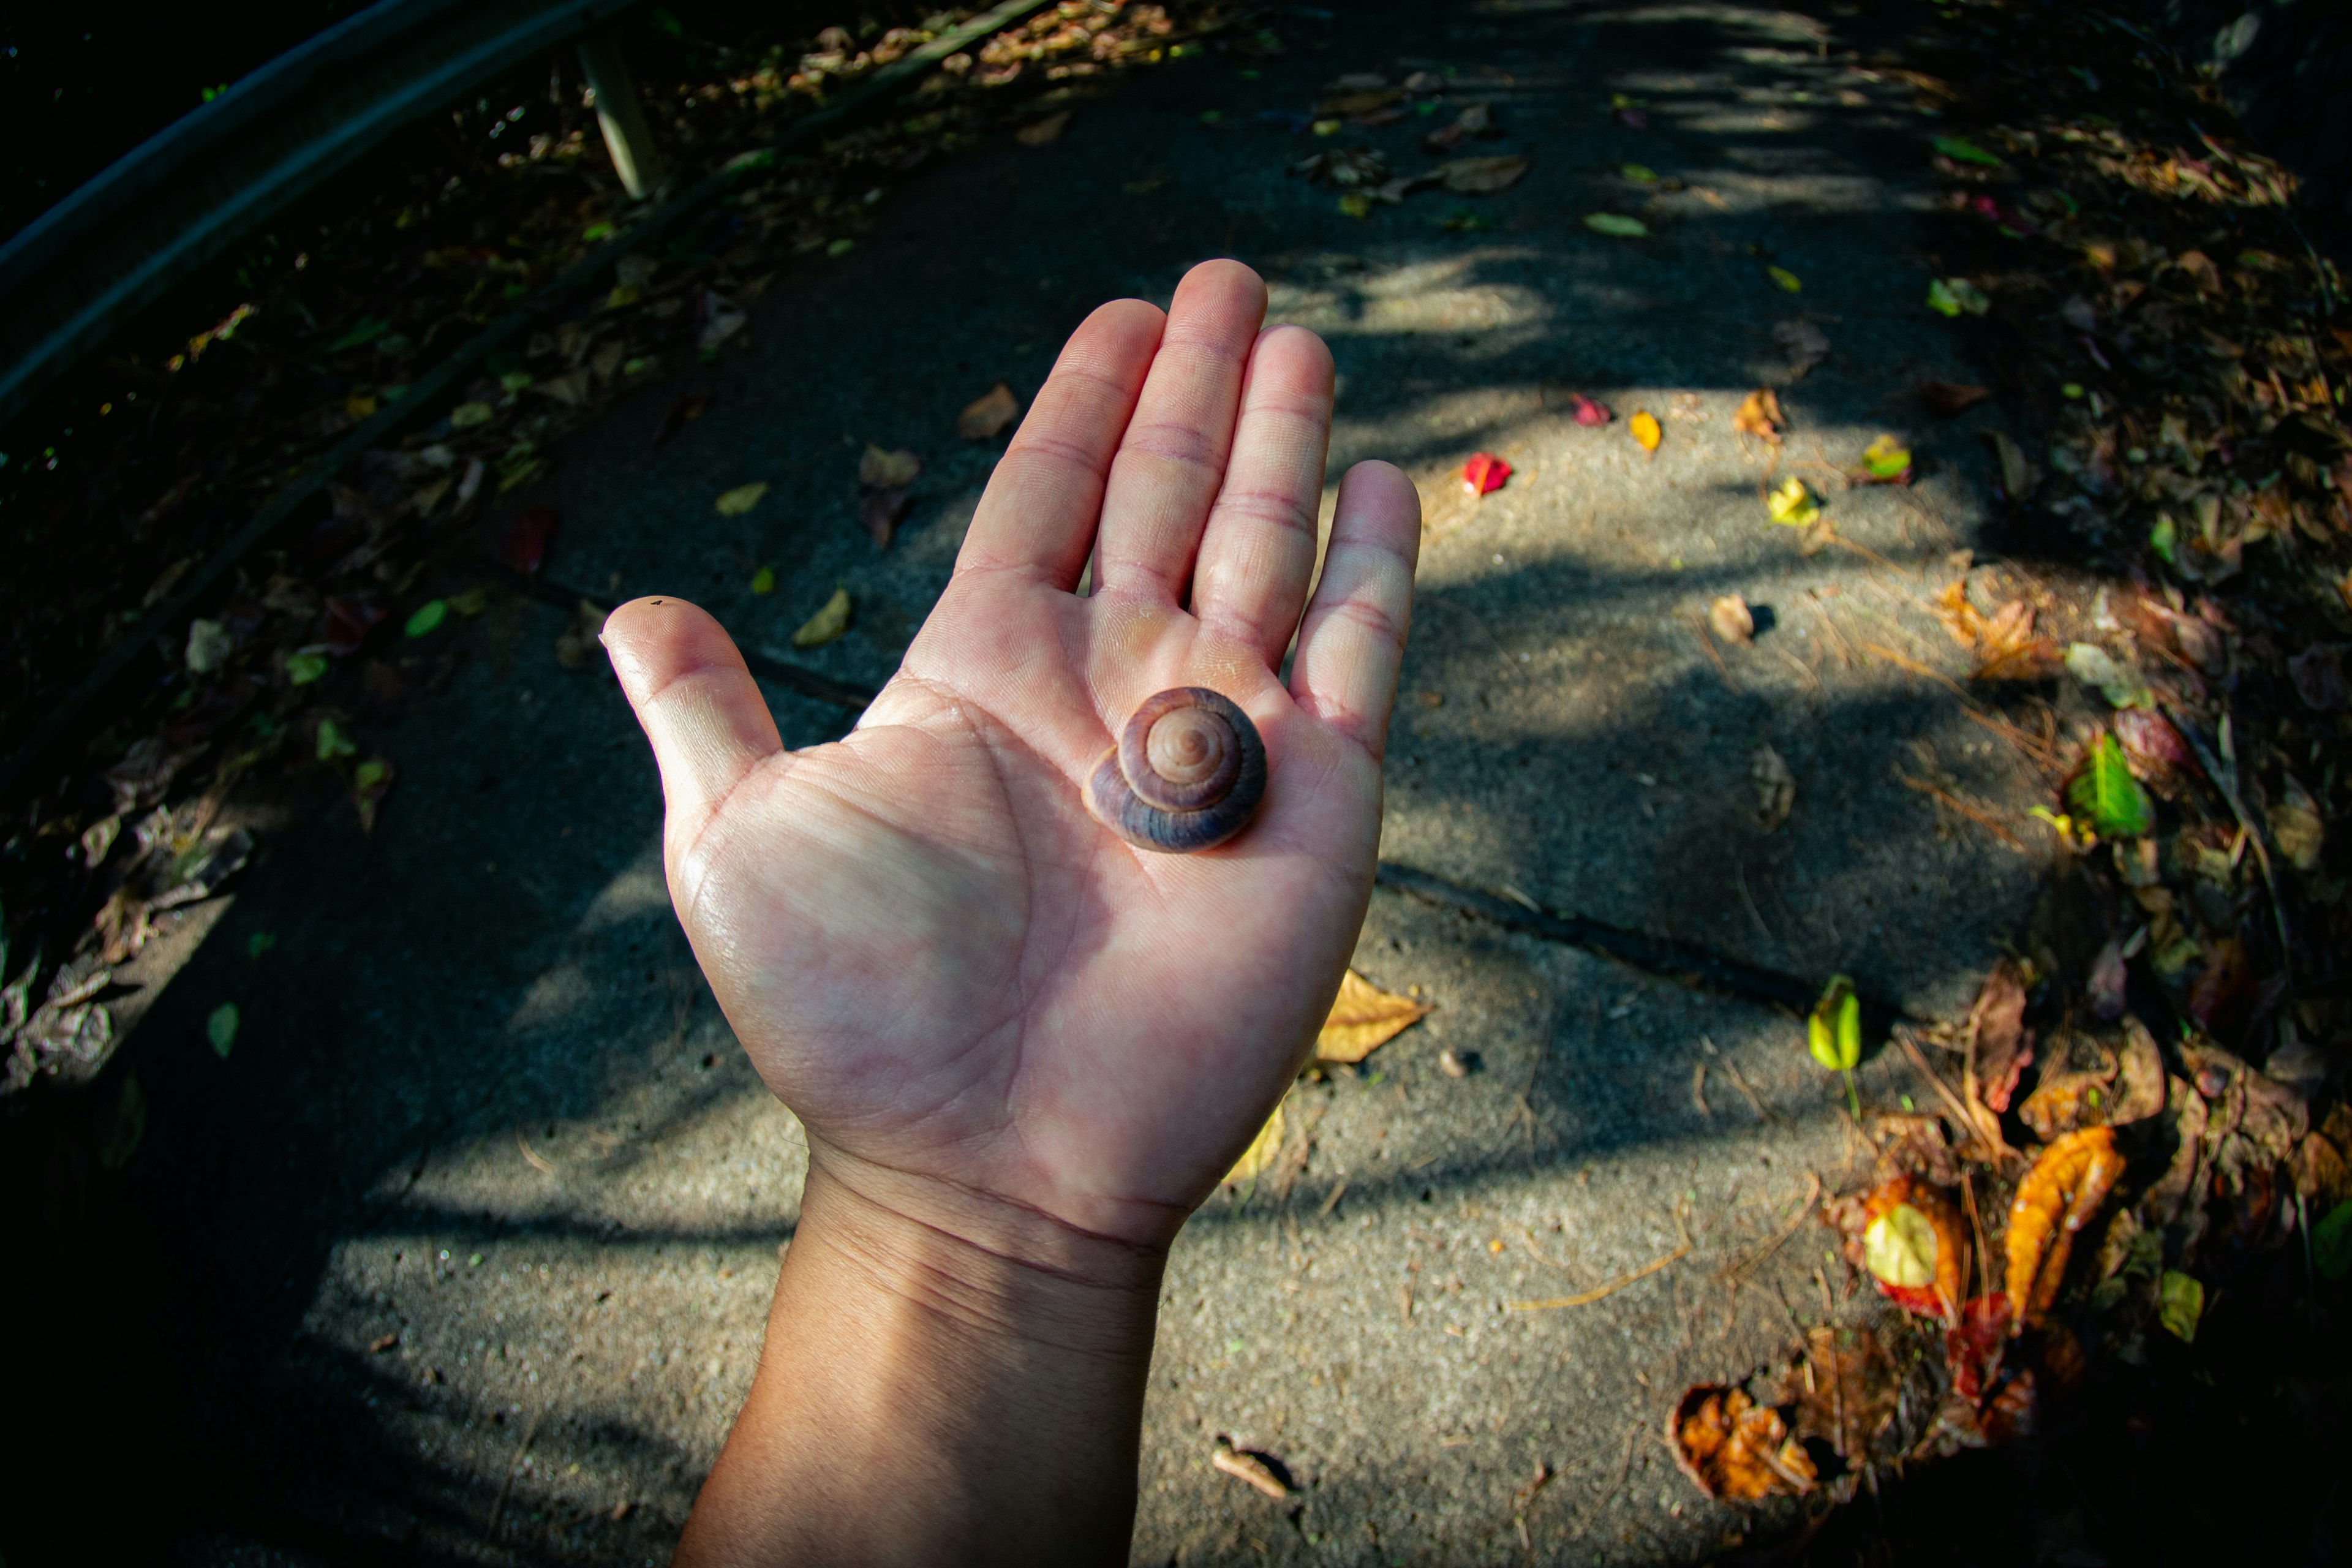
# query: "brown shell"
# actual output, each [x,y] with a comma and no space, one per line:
[1188,774]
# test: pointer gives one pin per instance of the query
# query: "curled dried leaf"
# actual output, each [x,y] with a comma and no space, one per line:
[1364,1017]
[1734,1449]
[1759,415]
[2058,1196]
[1731,619]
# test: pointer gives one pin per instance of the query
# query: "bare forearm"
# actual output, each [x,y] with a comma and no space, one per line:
[942,1383]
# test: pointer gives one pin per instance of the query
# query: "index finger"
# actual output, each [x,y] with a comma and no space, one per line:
[1044,499]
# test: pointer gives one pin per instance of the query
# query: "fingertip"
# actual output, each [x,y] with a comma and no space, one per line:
[653,641]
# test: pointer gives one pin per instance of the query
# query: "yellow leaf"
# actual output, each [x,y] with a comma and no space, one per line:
[1261,1151]
[1646,430]
[1792,505]
[826,623]
[741,498]
[1785,278]
[1900,1246]
[1363,1018]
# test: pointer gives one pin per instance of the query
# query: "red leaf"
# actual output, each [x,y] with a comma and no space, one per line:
[1587,411]
[348,624]
[528,537]
[1972,1347]
[1485,473]
[2152,746]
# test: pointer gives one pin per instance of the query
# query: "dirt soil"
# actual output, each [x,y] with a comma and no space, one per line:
[462,1254]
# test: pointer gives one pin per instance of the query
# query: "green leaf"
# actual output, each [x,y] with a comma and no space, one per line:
[366,330]
[2180,1302]
[428,617]
[1833,1032]
[258,944]
[303,667]
[1786,278]
[2165,537]
[1965,152]
[2107,793]
[221,1029]
[2119,683]
[2331,1243]
[333,741]
[1639,174]
[763,581]
[1616,225]
[1950,296]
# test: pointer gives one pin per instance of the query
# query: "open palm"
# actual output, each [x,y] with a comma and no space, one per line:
[933,953]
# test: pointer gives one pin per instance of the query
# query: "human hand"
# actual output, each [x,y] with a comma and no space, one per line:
[969,990]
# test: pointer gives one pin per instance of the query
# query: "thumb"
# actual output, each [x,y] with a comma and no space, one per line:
[707,720]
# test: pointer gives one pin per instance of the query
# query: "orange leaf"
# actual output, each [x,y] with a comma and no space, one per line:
[1734,1449]
[1758,415]
[2058,1196]
[1914,1248]
[1363,1018]
[1645,425]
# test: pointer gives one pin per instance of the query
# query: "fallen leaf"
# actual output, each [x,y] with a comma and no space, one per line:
[722,319]
[2331,1243]
[579,645]
[741,498]
[2018,477]
[1951,296]
[220,1028]
[2153,747]
[1732,621]
[427,618]
[1041,133]
[209,647]
[467,415]
[1885,461]
[1734,1449]
[2000,1042]
[2059,1195]
[1646,429]
[1481,176]
[827,624]
[2063,1101]
[2004,642]
[1913,1246]
[683,413]
[763,581]
[1261,1151]
[571,389]
[1792,505]
[1973,1346]
[1776,787]
[1962,149]
[2220,988]
[1786,280]
[2296,826]
[382,1343]
[986,417]
[2104,793]
[371,782]
[1805,344]
[1759,415]
[1250,1469]
[2103,988]
[879,515]
[1846,1389]
[2139,1091]
[2318,676]
[528,536]
[1485,473]
[1587,412]
[1364,1017]
[2119,683]
[349,621]
[1616,226]
[881,470]
[1949,398]
[2180,1302]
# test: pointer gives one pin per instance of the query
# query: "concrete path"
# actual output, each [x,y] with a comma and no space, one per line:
[468,1245]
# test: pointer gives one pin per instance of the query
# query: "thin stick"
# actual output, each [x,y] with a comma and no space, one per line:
[1332,1201]
[1747,1265]
[538,1162]
[1740,1082]
[1583,1298]
[513,1464]
[2032,746]
[1915,667]
[1975,814]
[1993,1141]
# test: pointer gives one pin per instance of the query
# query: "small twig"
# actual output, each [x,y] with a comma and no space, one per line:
[2035,751]
[1738,1271]
[514,1465]
[1332,1200]
[1698,1090]
[1740,1082]
[1976,813]
[1584,1297]
[1902,662]
[537,1161]
[1991,1140]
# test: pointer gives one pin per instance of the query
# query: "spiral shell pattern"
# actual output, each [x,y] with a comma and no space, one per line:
[1187,774]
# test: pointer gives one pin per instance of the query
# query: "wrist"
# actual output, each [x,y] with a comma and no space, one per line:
[978,1264]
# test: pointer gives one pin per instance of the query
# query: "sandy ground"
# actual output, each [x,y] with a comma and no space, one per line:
[465,1251]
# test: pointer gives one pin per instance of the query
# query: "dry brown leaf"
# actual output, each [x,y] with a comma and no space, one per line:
[881,470]
[1363,1018]
[2003,643]
[1846,1389]
[827,624]
[1732,620]
[1038,133]
[1759,415]
[985,417]
[1734,1449]
[1262,1149]
[2058,1196]
[2001,1048]
[1481,176]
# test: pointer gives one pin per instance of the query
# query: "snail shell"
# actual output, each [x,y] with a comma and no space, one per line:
[1187,774]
